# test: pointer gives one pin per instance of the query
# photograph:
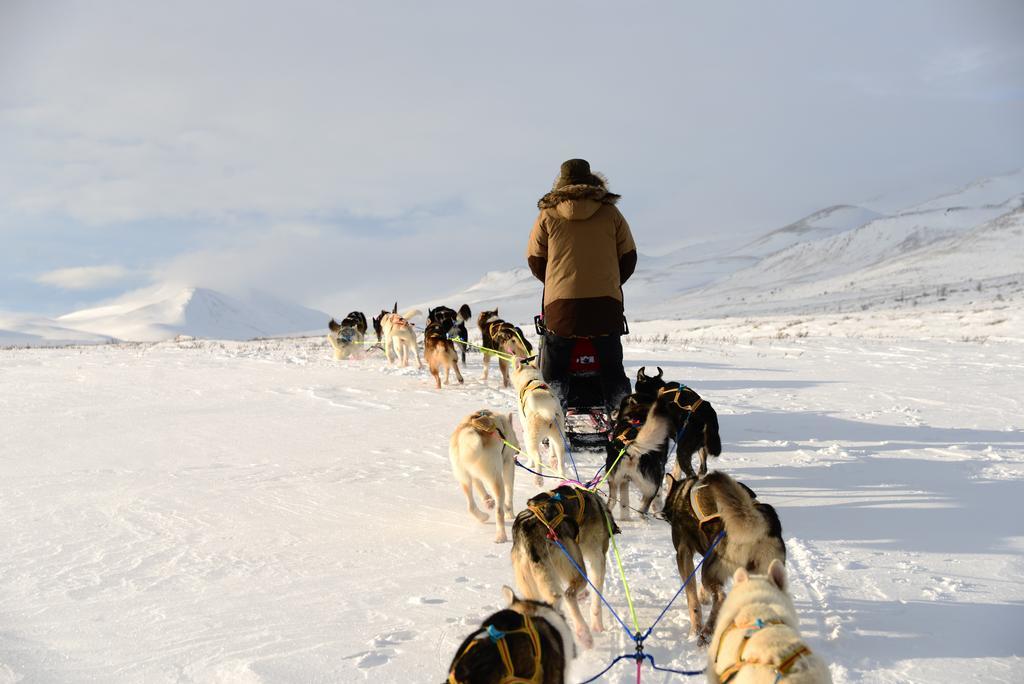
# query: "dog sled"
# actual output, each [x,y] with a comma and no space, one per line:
[587,423]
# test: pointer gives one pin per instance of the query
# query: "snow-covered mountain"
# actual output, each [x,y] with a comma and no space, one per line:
[164,312]
[840,257]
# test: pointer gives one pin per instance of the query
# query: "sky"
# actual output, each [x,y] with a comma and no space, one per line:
[346,154]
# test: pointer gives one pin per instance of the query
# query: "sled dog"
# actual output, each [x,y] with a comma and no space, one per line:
[347,337]
[440,354]
[757,640]
[529,641]
[576,518]
[540,414]
[482,461]
[679,412]
[397,336]
[647,469]
[454,323]
[503,337]
[699,509]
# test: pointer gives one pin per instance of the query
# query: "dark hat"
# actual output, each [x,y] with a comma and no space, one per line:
[577,172]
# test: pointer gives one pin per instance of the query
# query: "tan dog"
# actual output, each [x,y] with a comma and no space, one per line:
[397,336]
[757,640]
[481,461]
[581,522]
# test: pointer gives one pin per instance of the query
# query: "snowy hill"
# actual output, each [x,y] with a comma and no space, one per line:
[163,312]
[21,330]
[836,259]
[821,224]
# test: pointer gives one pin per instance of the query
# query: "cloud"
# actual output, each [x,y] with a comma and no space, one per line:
[85,277]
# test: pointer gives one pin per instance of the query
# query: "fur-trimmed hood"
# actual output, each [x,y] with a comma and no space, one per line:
[597,193]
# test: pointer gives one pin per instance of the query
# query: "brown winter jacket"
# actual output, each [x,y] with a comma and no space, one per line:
[583,252]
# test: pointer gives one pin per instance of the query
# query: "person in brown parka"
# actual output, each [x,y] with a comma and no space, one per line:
[582,250]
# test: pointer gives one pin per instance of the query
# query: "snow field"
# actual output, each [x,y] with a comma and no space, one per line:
[257,512]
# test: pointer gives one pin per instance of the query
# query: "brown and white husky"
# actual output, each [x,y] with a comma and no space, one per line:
[580,521]
[440,354]
[398,337]
[702,509]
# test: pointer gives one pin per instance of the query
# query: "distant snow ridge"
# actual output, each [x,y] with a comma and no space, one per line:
[162,313]
[838,258]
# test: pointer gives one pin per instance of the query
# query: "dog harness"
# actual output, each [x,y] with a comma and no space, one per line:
[677,399]
[704,513]
[781,670]
[484,421]
[559,503]
[500,640]
[530,387]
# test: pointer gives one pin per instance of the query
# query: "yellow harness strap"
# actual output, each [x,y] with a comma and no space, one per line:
[560,516]
[530,387]
[677,399]
[510,676]
[781,670]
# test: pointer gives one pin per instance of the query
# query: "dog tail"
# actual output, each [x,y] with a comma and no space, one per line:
[653,434]
[465,313]
[744,524]
[712,440]
[410,314]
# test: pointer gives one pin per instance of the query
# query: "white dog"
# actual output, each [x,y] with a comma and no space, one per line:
[541,416]
[397,336]
[757,639]
[481,460]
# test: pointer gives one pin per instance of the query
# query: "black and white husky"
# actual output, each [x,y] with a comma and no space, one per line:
[679,413]
[527,642]
[347,337]
[580,521]
[645,470]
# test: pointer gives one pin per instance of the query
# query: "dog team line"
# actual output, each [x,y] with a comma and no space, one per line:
[560,539]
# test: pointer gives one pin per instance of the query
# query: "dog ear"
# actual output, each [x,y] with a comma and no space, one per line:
[660,372]
[777,574]
[394,309]
[640,375]
[740,576]
[510,596]
[517,363]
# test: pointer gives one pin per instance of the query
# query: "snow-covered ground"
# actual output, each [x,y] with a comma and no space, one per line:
[255,511]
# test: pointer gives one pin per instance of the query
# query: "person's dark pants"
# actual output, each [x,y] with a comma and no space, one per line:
[555,358]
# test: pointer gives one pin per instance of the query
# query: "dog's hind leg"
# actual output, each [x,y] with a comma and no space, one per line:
[503,367]
[532,438]
[458,373]
[557,447]
[703,462]
[485,495]
[624,508]
[508,480]
[467,489]
[500,536]
[487,367]
[717,592]
[596,566]
[684,561]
